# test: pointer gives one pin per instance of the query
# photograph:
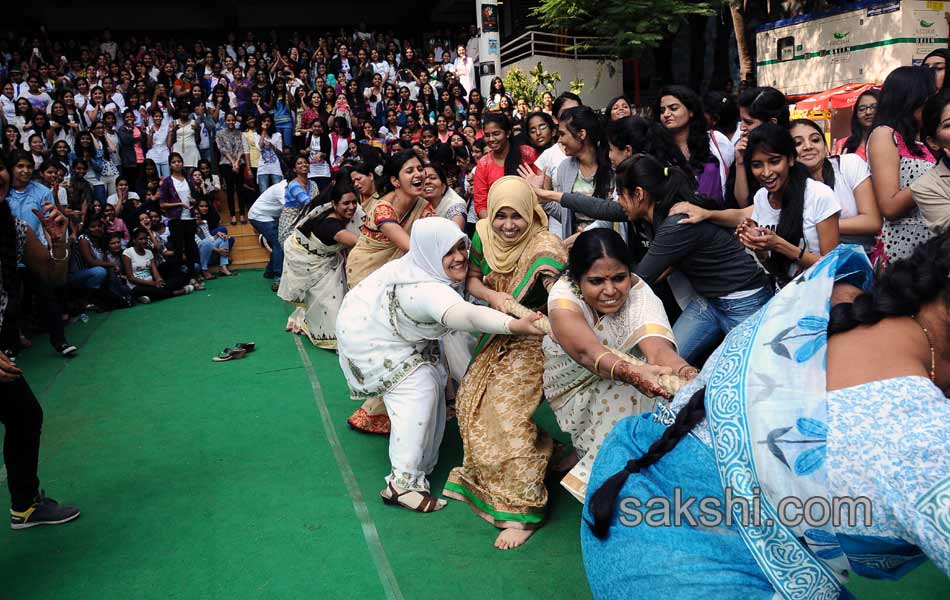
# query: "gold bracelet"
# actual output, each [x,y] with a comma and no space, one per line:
[614,366]
[597,360]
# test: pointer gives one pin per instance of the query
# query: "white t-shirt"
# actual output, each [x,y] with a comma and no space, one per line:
[184,194]
[850,172]
[141,263]
[269,163]
[725,153]
[113,200]
[268,206]
[9,108]
[158,152]
[820,203]
[322,168]
[550,160]
[37,101]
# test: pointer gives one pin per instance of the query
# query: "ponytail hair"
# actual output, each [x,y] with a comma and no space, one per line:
[765,104]
[339,186]
[647,137]
[513,160]
[584,118]
[775,139]
[664,185]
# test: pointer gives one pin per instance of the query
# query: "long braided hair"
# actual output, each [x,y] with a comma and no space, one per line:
[901,290]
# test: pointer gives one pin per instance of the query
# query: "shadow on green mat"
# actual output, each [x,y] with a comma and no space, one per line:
[207,480]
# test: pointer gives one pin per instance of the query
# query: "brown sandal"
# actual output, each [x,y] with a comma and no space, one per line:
[429,502]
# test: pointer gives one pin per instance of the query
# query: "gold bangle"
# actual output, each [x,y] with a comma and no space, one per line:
[597,360]
[614,366]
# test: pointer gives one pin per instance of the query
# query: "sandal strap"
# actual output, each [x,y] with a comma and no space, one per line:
[427,505]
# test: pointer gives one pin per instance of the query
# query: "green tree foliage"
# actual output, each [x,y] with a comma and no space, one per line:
[531,85]
[621,28]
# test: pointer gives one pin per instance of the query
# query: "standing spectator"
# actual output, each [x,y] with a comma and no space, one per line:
[897,158]
[270,144]
[178,196]
[465,69]
[503,157]
[861,122]
[132,147]
[158,142]
[36,95]
[206,132]
[87,151]
[183,135]
[232,149]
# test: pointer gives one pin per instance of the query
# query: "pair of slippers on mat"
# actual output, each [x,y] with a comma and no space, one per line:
[239,350]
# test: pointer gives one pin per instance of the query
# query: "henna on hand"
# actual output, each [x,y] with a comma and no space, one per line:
[628,373]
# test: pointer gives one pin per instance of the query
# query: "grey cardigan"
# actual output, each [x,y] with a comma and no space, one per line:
[596,208]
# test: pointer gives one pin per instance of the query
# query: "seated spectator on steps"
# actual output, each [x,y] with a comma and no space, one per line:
[141,271]
[88,268]
[212,239]
[113,225]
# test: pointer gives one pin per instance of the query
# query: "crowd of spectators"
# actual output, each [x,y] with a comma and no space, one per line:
[136,139]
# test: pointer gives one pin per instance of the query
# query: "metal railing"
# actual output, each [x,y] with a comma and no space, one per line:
[540,43]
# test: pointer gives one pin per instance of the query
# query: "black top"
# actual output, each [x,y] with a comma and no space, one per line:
[710,256]
[325,228]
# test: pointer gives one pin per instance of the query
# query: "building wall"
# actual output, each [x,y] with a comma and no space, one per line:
[600,86]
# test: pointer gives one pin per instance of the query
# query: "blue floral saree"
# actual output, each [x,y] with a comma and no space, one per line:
[766,440]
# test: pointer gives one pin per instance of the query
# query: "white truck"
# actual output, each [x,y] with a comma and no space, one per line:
[859,42]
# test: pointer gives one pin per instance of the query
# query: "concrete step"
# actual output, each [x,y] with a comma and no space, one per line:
[247,252]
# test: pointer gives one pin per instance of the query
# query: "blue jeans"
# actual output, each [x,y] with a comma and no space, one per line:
[99,194]
[705,321]
[163,169]
[91,278]
[208,155]
[269,230]
[265,181]
[206,249]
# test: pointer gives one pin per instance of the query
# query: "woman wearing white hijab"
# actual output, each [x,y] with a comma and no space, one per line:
[388,334]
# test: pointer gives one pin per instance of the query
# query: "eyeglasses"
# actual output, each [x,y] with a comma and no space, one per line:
[867,108]
[538,129]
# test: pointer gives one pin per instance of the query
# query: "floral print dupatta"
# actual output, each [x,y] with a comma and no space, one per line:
[767,413]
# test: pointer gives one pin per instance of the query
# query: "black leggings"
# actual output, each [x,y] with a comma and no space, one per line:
[182,241]
[231,180]
[22,418]
[153,293]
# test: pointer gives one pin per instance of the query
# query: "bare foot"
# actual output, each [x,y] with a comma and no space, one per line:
[512,538]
